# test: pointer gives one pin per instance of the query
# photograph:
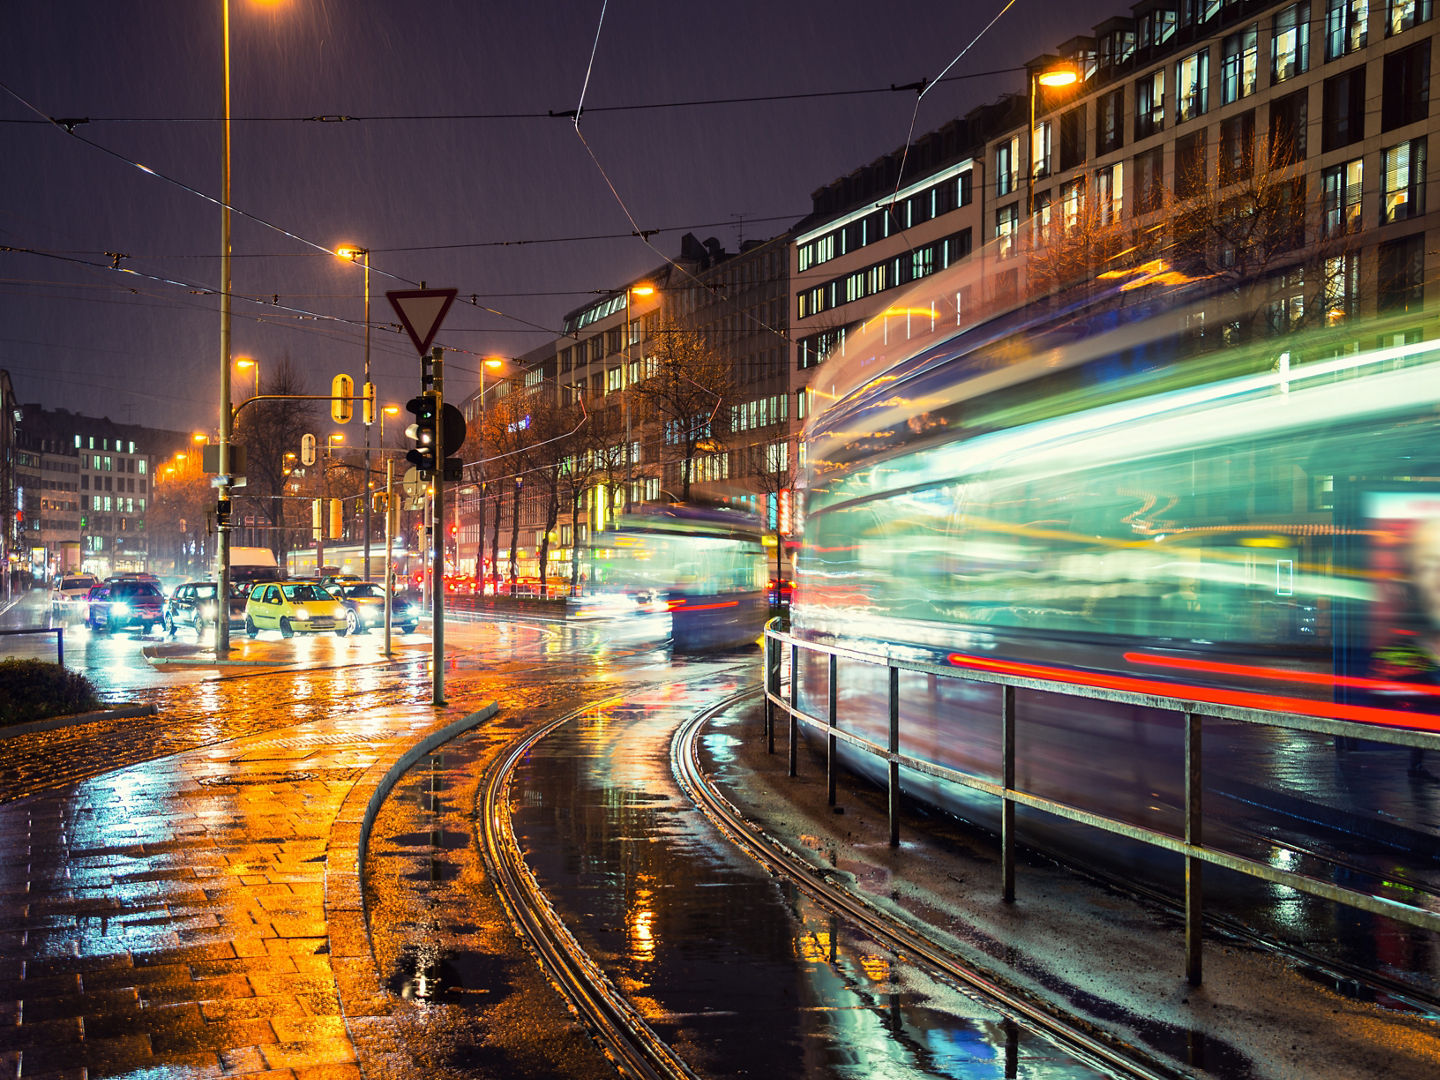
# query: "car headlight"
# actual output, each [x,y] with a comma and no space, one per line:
[120,607]
[301,613]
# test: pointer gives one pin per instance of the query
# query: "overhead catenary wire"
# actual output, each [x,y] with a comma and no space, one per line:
[921,88]
[217,201]
[549,114]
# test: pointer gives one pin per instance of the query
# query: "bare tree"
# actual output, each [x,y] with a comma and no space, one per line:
[551,425]
[507,433]
[269,430]
[594,461]
[686,393]
[182,502]
[775,471]
[1285,256]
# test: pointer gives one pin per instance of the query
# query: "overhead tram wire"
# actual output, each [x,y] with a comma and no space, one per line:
[69,128]
[69,123]
[923,88]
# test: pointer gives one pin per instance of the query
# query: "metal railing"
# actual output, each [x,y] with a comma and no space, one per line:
[58,631]
[1191,845]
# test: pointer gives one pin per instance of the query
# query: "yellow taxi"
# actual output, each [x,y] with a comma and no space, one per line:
[293,607]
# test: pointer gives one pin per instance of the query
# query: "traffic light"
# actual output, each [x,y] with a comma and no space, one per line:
[337,520]
[367,404]
[307,450]
[423,432]
[342,391]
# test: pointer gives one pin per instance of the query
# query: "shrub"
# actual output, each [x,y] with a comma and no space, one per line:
[35,690]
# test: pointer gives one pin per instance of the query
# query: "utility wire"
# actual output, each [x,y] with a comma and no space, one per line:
[549,114]
[69,128]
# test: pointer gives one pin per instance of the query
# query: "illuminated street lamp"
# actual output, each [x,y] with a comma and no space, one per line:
[1051,74]
[247,362]
[494,363]
[386,410]
[643,288]
[362,255]
[222,487]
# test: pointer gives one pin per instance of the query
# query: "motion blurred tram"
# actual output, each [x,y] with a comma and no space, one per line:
[706,562]
[1111,494]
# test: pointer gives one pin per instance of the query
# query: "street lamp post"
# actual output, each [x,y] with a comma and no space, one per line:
[644,288]
[1051,74]
[222,523]
[250,362]
[353,253]
[495,363]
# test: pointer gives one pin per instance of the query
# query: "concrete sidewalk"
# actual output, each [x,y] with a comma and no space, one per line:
[200,914]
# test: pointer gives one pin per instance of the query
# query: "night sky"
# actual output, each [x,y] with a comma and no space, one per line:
[453,173]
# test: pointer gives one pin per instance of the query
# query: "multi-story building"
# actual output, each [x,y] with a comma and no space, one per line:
[1185,124]
[85,485]
[736,303]
[1317,109]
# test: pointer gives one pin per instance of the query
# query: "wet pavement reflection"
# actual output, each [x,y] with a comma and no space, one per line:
[739,975]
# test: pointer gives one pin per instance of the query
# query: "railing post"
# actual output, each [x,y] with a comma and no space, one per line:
[772,688]
[60,645]
[1194,791]
[1007,805]
[894,749]
[830,763]
[794,701]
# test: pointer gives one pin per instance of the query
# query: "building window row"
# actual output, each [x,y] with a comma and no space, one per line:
[892,273]
[914,209]
[759,413]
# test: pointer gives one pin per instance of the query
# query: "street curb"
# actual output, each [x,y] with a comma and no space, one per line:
[123,713]
[352,958]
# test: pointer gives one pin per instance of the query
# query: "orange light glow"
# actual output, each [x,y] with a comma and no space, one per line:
[643,289]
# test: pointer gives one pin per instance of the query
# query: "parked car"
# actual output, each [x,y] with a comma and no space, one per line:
[293,607]
[192,604]
[69,594]
[118,605]
[364,603]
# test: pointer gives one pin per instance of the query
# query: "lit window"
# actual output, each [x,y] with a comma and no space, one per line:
[1404,177]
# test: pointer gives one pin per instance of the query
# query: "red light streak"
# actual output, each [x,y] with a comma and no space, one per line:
[702,607]
[1313,678]
[1213,695]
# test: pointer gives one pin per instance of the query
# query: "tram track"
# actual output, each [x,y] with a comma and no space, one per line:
[617,1026]
[1073,1034]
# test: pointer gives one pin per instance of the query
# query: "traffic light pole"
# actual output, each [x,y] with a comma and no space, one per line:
[437,608]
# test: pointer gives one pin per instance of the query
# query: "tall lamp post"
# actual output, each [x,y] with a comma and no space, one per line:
[367,393]
[222,523]
[1051,74]
[643,288]
[494,363]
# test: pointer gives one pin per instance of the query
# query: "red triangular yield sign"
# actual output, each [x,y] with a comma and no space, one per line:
[421,311]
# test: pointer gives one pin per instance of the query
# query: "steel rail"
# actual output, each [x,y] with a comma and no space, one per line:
[622,1033]
[779,858]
